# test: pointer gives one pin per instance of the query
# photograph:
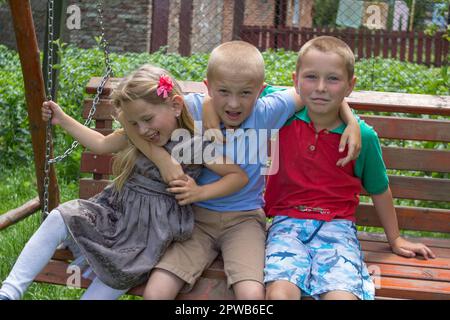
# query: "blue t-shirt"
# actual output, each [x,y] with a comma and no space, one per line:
[269,114]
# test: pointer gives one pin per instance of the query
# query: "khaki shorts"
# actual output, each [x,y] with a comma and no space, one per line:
[239,235]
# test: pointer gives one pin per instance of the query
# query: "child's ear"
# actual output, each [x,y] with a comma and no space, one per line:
[352,84]
[206,83]
[294,79]
[177,104]
[264,85]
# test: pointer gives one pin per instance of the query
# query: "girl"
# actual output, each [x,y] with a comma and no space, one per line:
[123,231]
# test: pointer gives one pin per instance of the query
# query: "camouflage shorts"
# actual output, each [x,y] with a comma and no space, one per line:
[317,256]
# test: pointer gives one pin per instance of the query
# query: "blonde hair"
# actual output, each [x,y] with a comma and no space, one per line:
[328,44]
[239,56]
[142,84]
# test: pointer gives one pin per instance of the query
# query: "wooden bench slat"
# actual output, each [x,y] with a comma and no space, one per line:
[360,100]
[90,187]
[419,188]
[93,163]
[384,247]
[413,289]
[408,272]
[416,159]
[395,158]
[55,272]
[381,237]
[394,101]
[409,128]
[104,109]
[409,218]
[371,257]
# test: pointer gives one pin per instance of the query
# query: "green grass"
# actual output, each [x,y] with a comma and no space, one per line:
[18,186]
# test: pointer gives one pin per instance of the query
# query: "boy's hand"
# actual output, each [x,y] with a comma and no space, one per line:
[186,190]
[409,249]
[352,138]
[52,110]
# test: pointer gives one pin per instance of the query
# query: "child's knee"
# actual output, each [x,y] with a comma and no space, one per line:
[54,217]
[249,290]
[338,295]
[282,290]
[162,285]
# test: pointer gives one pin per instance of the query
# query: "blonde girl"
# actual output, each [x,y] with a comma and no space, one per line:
[123,231]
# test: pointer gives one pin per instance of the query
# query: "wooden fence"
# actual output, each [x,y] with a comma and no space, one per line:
[406,46]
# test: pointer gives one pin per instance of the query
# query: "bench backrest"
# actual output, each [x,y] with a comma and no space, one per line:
[430,185]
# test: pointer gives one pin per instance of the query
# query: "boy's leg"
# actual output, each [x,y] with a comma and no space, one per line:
[35,255]
[244,233]
[282,290]
[163,285]
[184,262]
[338,295]
[338,269]
[288,262]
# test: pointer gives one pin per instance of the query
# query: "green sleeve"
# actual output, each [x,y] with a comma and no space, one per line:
[370,167]
[270,89]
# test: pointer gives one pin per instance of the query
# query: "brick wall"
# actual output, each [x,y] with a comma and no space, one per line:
[7,36]
[127,25]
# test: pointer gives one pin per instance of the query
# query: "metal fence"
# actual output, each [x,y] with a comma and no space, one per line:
[389,28]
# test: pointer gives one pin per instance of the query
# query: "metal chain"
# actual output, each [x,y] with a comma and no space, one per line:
[100,88]
[48,133]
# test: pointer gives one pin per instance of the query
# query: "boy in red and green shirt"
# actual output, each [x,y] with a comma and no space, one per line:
[312,246]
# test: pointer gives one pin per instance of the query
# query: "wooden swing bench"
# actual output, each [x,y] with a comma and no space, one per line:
[395,277]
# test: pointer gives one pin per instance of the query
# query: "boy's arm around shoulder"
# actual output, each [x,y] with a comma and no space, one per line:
[233,179]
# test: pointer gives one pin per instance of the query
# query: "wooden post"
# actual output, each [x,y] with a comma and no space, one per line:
[238,18]
[58,27]
[160,24]
[34,92]
[185,27]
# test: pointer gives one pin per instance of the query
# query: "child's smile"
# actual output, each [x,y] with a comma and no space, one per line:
[323,81]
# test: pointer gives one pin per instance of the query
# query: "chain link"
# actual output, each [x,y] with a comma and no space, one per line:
[106,76]
[48,132]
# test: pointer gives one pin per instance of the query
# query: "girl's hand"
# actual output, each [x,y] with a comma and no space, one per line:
[52,110]
[186,190]
[409,249]
[352,138]
[171,171]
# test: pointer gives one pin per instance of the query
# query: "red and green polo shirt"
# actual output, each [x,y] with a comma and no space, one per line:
[309,185]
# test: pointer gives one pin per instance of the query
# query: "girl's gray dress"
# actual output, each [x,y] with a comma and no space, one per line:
[122,235]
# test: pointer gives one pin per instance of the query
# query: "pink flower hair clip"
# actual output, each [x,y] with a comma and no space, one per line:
[165,86]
